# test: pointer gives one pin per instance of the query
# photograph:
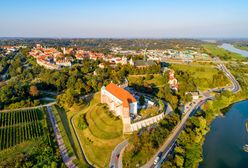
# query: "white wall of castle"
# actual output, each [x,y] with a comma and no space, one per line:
[146,122]
[114,103]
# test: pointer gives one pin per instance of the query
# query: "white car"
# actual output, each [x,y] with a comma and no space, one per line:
[156,160]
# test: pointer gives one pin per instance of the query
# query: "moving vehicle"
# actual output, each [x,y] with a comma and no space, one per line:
[158,158]
[117,156]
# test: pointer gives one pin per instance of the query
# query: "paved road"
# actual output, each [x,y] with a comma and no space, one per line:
[170,141]
[63,151]
[28,108]
[117,154]
[165,148]
[236,87]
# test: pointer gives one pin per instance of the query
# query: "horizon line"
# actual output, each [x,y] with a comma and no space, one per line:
[147,38]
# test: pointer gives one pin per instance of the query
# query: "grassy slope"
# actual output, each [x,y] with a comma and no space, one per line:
[223,54]
[66,134]
[102,135]
[71,140]
[201,71]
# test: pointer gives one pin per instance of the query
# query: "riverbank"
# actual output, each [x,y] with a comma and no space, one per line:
[227,137]
[189,150]
[232,48]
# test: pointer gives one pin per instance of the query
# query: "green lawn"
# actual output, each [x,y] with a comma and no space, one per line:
[103,133]
[203,74]
[157,80]
[101,125]
[223,54]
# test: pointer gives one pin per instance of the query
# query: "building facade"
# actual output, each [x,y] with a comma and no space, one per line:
[121,102]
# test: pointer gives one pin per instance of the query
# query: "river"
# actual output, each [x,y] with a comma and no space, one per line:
[231,48]
[223,147]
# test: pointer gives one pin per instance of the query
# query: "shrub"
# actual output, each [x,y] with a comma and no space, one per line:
[82,123]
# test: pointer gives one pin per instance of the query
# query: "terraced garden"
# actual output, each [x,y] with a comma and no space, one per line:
[103,132]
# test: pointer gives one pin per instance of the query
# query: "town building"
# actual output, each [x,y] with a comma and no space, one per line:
[172,80]
[195,95]
[50,58]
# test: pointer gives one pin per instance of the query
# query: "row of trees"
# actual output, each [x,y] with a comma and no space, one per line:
[144,144]
[188,152]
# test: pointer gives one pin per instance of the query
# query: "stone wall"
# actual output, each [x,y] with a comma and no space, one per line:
[146,122]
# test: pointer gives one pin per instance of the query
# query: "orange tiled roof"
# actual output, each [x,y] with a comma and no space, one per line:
[121,94]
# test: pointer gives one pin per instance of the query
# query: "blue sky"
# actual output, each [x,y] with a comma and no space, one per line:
[124,18]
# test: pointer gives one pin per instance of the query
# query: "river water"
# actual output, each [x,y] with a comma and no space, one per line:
[231,48]
[223,147]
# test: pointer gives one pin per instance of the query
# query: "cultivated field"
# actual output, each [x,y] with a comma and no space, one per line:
[20,126]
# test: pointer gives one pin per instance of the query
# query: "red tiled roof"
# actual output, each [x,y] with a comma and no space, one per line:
[121,94]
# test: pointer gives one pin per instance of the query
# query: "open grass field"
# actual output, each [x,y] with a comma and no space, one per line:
[103,133]
[157,80]
[223,54]
[242,46]
[203,73]
[20,126]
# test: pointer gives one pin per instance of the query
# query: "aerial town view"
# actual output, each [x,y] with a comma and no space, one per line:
[124,84]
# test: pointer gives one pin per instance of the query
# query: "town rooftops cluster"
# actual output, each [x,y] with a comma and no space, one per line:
[9,49]
[50,58]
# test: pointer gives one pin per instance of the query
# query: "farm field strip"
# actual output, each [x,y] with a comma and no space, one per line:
[19,126]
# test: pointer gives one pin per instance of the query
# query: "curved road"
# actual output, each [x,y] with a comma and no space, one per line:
[117,153]
[170,141]
[236,87]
